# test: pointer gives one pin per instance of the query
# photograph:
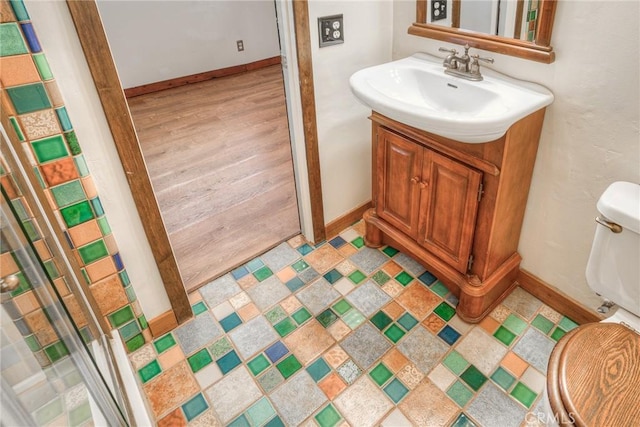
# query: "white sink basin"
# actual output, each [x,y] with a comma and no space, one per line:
[416,91]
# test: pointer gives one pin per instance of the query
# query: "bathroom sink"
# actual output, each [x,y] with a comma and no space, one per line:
[416,91]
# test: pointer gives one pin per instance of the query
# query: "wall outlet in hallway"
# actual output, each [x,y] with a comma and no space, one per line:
[330,30]
[240,45]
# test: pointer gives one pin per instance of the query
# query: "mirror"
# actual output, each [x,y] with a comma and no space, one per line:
[510,27]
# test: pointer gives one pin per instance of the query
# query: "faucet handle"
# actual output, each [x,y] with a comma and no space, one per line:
[451,51]
[477,58]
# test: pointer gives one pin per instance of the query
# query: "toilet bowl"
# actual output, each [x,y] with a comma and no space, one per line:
[593,375]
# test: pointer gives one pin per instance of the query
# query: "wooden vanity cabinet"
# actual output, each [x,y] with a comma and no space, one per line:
[455,207]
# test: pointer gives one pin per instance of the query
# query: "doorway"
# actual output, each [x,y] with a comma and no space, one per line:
[217,151]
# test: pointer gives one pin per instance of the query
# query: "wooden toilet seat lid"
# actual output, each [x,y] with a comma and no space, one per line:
[599,375]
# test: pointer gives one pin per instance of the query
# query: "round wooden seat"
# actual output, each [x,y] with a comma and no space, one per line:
[593,378]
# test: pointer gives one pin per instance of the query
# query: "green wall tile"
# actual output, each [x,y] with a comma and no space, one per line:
[29,98]
[164,343]
[194,407]
[199,360]
[81,164]
[69,193]
[77,214]
[149,371]
[93,251]
[51,148]
[105,228]
[51,269]
[124,277]
[56,351]
[12,41]
[135,343]
[143,322]
[129,330]
[43,66]
[72,141]
[258,364]
[19,10]
[328,417]
[17,128]
[260,412]
[121,316]
[131,294]
[380,374]
[97,206]
[289,366]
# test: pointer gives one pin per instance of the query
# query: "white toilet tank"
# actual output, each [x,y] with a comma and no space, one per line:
[613,269]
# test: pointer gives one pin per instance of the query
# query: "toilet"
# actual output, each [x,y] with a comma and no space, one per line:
[593,376]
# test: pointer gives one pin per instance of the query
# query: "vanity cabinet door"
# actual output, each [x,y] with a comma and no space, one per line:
[448,206]
[399,163]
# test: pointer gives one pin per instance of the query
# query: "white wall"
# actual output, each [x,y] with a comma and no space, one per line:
[590,136]
[61,46]
[154,41]
[344,132]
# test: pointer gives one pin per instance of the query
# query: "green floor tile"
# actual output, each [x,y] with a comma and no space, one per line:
[381,320]
[394,333]
[300,266]
[380,374]
[390,251]
[407,321]
[503,378]
[328,417]
[463,421]
[515,324]
[275,315]
[149,371]
[327,317]
[445,311]
[199,308]
[260,412]
[241,421]
[333,276]
[263,273]
[258,364]
[542,324]
[301,316]
[460,393]
[396,390]
[455,362]
[567,324]
[220,348]
[557,334]
[524,394]
[380,277]
[230,322]
[404,278]
[504,335]
[358,242]
[341,307]
[353,318]
[473,377]
[227,362]
[199,360]
[440,289]
[194,407]
[275,422]
[318,369]
[357,277]
[285,327]
[289,366]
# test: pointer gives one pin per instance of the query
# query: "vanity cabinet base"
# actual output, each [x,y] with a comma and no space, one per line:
[476,298]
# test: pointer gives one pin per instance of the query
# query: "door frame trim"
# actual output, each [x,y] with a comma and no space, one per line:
[88,25]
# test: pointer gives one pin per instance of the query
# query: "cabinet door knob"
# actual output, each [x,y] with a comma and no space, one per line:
[424,184]
[415,180]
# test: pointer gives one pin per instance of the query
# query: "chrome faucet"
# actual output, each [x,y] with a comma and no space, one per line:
[465,66]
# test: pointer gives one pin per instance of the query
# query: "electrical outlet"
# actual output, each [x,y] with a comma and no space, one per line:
[438,10]
[330,30]
[240,45]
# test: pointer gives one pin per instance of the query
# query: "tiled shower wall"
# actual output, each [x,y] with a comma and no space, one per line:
[31,99]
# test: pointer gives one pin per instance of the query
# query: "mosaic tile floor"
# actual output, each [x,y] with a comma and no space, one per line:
[341,334]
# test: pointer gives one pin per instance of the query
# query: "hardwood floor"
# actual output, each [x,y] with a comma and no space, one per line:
[219,158]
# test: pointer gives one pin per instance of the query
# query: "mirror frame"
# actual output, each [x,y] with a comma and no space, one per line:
[540,50]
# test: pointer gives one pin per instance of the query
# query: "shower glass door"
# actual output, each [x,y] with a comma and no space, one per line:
[49,372]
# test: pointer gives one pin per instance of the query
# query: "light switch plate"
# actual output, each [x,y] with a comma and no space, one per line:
[330,30]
